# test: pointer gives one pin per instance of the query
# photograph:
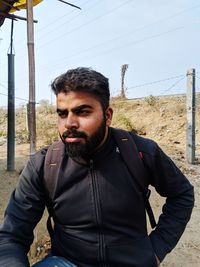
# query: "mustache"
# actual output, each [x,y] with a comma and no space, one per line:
[73,133]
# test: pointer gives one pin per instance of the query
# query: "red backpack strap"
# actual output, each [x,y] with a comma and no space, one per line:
[134,162]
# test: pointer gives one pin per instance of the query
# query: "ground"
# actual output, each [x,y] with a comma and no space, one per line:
[161,119]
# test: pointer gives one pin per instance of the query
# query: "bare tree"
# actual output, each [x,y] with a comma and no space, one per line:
[124,68]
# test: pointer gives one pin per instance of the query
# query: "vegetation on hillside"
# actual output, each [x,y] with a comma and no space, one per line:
[160,118]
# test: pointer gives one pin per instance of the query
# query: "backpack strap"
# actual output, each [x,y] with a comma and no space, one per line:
[52,164]
[133,160]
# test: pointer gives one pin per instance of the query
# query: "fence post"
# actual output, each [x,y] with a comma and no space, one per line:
[31,59]
[11,107]
[190,125]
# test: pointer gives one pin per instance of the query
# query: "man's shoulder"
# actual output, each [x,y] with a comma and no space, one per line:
[39,156]
[43,151]
[143,144]
[55,152]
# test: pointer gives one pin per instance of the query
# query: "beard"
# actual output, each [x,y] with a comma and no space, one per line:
[85,150]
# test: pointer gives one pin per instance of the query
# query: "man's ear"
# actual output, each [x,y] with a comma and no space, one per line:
[108,115]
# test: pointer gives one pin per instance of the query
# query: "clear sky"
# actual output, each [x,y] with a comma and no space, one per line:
[159,40]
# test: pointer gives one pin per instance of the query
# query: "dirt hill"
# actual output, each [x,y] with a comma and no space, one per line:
[162,119]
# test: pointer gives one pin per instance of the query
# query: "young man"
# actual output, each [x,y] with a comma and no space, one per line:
[98,211]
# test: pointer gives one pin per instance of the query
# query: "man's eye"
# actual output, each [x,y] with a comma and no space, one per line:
[83,112]
[62,115]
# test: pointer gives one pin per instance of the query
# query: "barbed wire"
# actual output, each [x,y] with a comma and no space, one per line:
[157,81]
[182,77]
[172,86]
[15,97]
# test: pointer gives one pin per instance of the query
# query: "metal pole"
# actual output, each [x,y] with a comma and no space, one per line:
[11,108]
[190,126]
[31,59]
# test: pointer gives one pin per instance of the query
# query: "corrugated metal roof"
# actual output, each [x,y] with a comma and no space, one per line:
[5,6]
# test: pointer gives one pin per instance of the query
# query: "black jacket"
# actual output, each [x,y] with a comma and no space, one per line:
[99,212]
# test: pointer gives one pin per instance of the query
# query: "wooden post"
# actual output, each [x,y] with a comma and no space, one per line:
[190,126]
[31,59]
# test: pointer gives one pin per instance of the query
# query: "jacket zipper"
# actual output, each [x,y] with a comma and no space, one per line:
[98,212]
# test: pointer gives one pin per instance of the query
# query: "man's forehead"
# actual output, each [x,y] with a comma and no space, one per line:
[76,99]
[76,96]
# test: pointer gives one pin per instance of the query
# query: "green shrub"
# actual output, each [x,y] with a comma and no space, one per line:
[151,100]
[121,121]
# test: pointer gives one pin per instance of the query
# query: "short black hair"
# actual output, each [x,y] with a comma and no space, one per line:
[84,80]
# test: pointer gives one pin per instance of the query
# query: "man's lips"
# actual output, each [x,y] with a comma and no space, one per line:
[73,139]
[73,136]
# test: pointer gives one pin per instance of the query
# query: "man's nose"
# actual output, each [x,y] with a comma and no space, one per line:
[71,122]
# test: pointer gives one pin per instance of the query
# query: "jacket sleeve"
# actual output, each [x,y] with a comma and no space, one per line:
[23,212]
[170,183]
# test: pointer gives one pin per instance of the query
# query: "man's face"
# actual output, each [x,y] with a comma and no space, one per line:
[82,124]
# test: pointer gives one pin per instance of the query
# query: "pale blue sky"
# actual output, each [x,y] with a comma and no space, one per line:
[157,39]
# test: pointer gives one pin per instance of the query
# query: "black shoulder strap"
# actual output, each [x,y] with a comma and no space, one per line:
[52,164]
[135,165]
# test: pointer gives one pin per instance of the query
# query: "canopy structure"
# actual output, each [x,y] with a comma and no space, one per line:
[5,7]
[21,4]
[10,6]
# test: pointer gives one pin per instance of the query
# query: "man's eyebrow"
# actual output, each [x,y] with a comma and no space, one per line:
[60,110]
[81,107]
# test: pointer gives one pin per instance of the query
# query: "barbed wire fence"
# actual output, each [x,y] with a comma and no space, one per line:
[193,109]
[192,95]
